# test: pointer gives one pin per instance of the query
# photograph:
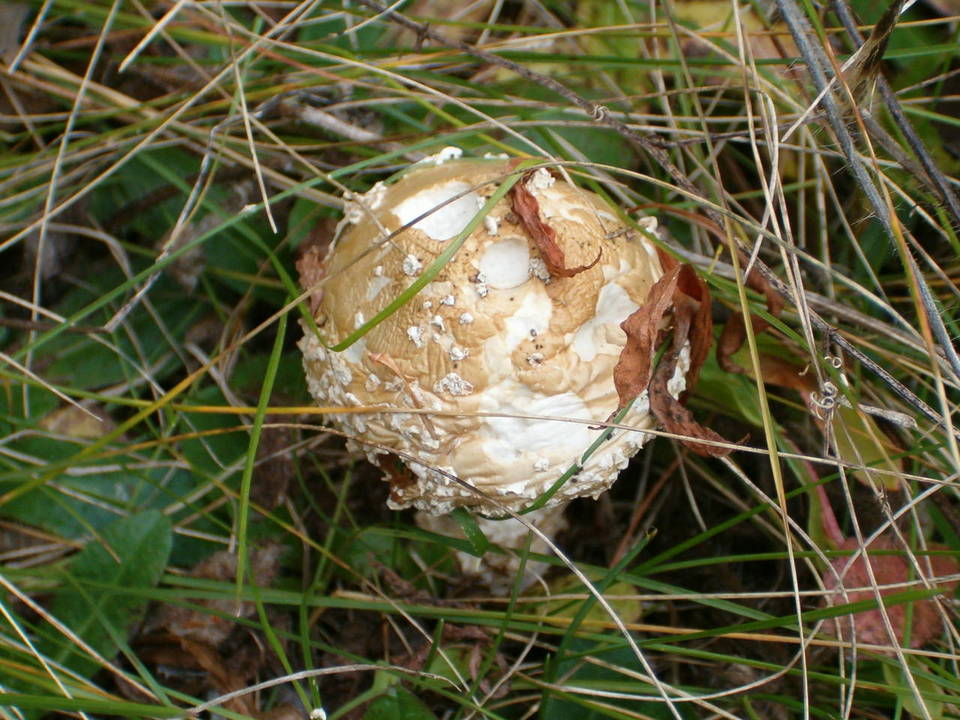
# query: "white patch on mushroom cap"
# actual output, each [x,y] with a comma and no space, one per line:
[411,265]
[508,438]
[357,206]
[613,307]
[539,269]
[530,319]
[541,180]
[415,333]
[506,264]
[453,384]
[377,283]
[443,222]
[354,353]
[450,152]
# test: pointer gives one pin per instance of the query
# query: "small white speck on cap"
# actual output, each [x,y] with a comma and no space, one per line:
[649,223]
[427,304]
[416,335]
[538,268]
[465,318]
[378,271]
[358,319]
[371,383]
[535,358]
[448,300]
[450,152]
[411,265]
[457,354]
[491,225]
[541,180]
[437,322]
[541,465]
[453,384]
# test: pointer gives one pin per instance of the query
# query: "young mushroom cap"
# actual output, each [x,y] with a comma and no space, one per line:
[491,340]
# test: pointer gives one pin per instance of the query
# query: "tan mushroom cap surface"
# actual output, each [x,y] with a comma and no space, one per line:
[492,333]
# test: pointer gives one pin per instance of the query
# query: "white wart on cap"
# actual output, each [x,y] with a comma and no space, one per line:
[493,333]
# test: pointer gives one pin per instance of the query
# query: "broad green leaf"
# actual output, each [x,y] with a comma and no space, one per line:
[860,441]
[100,596]
[617,595]
[894,675]
[617,671]
[732,395]
[398,704]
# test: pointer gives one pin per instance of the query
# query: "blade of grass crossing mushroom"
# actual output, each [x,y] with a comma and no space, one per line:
[243,512]
[442,259]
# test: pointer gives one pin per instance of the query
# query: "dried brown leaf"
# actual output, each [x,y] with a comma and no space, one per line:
[221,677]
[693,304]
[643,327]
[527,208]
[275,465]
[682,294]
[207,627]
[311,269]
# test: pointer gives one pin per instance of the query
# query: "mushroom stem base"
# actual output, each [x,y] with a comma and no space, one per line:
[496,570]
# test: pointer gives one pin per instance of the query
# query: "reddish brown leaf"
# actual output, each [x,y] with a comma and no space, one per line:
[675,417]
[275,464]
[212,628]
[679,292]
[696,301]
[527,208]
[631,376]
[891,569]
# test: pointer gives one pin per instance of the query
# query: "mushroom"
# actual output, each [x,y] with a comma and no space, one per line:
[492,378]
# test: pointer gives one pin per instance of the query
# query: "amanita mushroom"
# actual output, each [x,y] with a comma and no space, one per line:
[493,339]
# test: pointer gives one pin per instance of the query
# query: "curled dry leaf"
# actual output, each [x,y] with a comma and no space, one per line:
[525,205]
[675,417]
[682,294]
[631,376]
